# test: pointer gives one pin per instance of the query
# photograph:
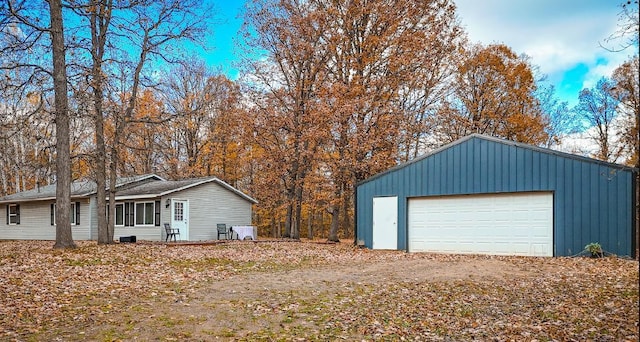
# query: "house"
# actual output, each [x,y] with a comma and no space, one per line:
[143,204]
[483,195]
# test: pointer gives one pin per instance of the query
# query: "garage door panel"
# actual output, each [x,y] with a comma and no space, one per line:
[501,224]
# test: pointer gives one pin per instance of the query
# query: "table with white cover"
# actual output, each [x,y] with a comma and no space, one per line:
[244,231]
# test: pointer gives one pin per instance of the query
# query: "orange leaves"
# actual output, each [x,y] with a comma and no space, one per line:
[495,96]
[308,291]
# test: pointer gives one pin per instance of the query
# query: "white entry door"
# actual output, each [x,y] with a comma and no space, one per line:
[385,223]
[180,217]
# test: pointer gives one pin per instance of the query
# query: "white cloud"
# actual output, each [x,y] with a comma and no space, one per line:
[558,35]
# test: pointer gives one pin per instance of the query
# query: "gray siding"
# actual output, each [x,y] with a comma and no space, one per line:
[35,222]
[592,200]
[210,204]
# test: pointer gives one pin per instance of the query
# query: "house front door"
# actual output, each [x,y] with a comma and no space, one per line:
[180,217]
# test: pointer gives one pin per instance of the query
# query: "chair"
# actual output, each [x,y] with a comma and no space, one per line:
[222,230]
[171,232]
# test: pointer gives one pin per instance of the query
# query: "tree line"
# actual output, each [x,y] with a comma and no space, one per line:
[330,93]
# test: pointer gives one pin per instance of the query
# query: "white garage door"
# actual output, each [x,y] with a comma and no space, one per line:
[498,224]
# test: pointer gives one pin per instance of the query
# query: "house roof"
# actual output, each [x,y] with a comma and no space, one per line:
[79,189]
[163,188]
[501,141]
[143,186]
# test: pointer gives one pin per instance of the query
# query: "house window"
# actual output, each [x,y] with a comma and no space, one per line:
[74,216]
[124,214]
[145,213]
[119,214]
[178,211]
[13,214]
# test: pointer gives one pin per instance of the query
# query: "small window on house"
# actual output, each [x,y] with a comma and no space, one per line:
[13,214]
[145,213]
[74,215]
[119,214]
[178,211]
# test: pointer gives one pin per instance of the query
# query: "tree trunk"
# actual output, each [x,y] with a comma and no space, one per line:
[100,19]
[64,238]
[310,223]
[295,232]
[288,221]
[335,223]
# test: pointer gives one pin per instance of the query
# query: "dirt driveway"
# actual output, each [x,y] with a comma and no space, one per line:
[304,291]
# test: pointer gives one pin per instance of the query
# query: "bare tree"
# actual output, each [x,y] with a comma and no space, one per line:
[627,90]
[597,106]
[26,33]
[153,28]
[627,33]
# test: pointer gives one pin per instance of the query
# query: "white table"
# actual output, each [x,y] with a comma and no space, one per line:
[243,232]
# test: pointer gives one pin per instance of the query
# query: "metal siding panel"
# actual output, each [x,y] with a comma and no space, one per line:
[431,175]
[477,162]
[491,167]
[535,170]
[574,232]
[525,170]
[512,170]
[563,209]
[402,223]
[520,172]
[464,172]
[596,204]
[546,171]
[625,212]
[484,166]
[446,173]
[457,176]
[500,168]
[417,180]
[421,174]
[611,203]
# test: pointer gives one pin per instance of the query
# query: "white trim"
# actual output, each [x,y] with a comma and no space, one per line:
[73,218]
[135,214]
[115,215]
[16,215]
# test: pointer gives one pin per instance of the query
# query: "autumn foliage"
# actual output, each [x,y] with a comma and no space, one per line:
[329,94]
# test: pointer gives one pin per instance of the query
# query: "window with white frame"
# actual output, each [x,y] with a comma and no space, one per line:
[145,213]
[124,216]
[74,216]
[13,214]
[119,214]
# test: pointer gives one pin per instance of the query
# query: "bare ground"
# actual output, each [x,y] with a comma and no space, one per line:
[343,293]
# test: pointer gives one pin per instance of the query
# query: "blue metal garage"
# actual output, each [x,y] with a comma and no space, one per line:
[483,195]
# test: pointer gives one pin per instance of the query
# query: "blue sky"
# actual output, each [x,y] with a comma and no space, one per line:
[561,36]
[222,52]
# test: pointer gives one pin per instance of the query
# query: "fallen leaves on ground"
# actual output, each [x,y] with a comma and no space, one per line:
[46,294]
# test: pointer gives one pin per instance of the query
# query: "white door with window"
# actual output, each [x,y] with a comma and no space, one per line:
[180,218]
